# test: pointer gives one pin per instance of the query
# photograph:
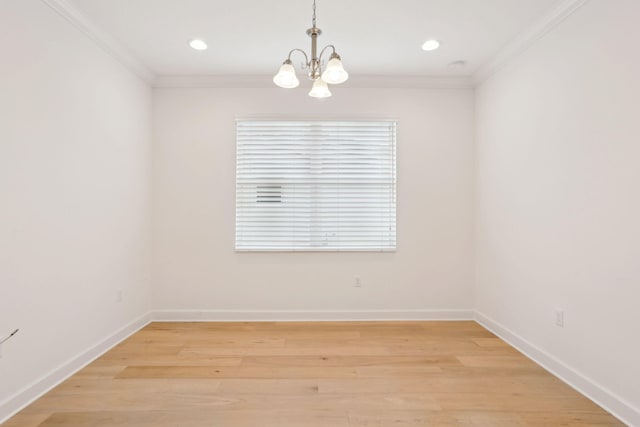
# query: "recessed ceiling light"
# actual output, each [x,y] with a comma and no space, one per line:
[430,45]
[198,44]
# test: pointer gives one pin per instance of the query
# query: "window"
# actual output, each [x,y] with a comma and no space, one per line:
[315,186]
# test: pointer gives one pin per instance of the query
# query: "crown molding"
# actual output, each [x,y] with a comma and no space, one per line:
[101,38]
[359,81]
[527,38]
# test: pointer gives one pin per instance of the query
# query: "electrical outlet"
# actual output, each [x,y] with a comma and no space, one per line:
[357,282]
[119,295]
[559,317]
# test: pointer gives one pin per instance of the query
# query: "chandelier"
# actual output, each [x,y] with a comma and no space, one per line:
[333,74]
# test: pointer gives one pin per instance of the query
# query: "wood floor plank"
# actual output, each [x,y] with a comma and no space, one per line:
[497,361]
[27,420]
[269,418]
[354,361]
[319,350]
[441,384]
[97,371]
[235,372]
[490,342]
[401,418]
[269,386]
[313,374]
[184,358]
[518,403]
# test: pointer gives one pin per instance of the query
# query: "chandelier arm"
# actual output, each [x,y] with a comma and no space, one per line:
[333,48]
[306,58]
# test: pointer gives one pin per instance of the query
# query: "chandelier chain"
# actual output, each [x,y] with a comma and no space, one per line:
[314,14]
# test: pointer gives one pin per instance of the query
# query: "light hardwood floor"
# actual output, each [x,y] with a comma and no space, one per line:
[333,374]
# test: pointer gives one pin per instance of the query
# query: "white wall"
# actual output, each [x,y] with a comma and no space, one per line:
[74,194]
[196,267]
[558,196]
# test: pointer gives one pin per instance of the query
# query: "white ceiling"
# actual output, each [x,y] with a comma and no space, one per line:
[251,37]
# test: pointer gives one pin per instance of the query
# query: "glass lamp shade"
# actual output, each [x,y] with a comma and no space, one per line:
[286,77]
[320,89]
[334,73]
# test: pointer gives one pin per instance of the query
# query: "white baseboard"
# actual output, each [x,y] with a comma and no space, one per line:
[33,391]
[307,315]
[617,406]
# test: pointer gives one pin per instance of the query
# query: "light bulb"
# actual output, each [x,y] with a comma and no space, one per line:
[320,89]
[286,77]
[335,73]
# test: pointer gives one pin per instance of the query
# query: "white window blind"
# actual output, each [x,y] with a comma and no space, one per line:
[316,185]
